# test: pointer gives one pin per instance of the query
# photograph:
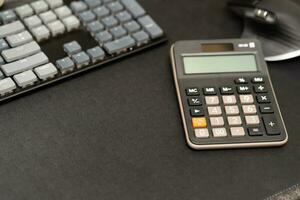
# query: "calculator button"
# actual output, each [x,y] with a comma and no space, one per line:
[196,112]
[192,91]
[202,133]
[244,90]
[217,121]
[258,80]
[232,110]
[194,101]
[234,121]
[213,111]
[212,100]
[229,100]
[249,109]
[271,125]
[252,120]
[262,98]
[260,89]
[256,131]
[246,99]
[209,91]
[266,109]
[237,131]
[199,122]
[219,132]
[226,90]
[241,80]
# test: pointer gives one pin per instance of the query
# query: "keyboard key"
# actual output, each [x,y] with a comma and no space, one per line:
[134,8]
[78,6]
[12,28]
[19,39]
[199,122]
[87,16]
[41,33]
[96,54]
[219,132]
[234,120]
[197,112]
[151,27]
[214,110]
[241,80]
[271,125]
[132,26]
[244,90]
[262,98]
[123,16]
[101,12]
[32,21]
[54,3]
[260,89]
[7,85]
[7,16]
[24,64]
[63,12]
[93,3]
[48,17]
[71,23]
[56,28]
[212,100]
[81,59]
[3,45]
[258,80]
[141,37]
[119,45]
[115,7]
[232,110]
[256,131]
[193,91]
[103,37]
[65,65]
[26,78]
[194,101]
[237,131]
[46,71]
[201,133]
[266,109]
[209,91]
[249,109]
[39,6]
[95,27]
[246,99]
[118,31]
[110,21]
[252,120]
[21,52]
[226,90]
[24,11]
[217,121]
[229,100]
[72,48]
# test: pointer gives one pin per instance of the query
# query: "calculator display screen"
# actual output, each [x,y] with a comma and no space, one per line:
[219,64]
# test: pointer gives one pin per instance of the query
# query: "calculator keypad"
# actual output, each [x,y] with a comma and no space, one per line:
[242,109]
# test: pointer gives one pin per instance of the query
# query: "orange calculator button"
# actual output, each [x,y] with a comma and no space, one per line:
[199,122]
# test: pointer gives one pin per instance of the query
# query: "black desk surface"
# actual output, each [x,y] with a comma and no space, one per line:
[116,132]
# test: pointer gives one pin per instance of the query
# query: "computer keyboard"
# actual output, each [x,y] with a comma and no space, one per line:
[45,41]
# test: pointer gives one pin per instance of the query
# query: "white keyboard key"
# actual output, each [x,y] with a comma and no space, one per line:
[252,120]
[232,110]
[48,17]
[39,6]
[214,111]
[237,131]
[202,133]
[46,71]
[12,28]
[249,109]
[234,120]
[56,28]
[25,78]
[24,11]
[21,52]
[219,132]
[246,99]
[212,100]
[63,12]
[71,23]
[19,39]
[7,85]
[54,3]
[217,121]
[229,99]
[41,33]
[32,21]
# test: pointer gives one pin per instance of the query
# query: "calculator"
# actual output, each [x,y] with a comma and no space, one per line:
[225,95]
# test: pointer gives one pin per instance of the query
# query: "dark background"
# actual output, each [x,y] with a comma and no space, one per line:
[116,132]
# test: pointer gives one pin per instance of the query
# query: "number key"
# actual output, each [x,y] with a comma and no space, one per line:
[212,100]
[229,99]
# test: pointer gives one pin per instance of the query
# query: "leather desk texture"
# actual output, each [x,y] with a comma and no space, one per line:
[116,132]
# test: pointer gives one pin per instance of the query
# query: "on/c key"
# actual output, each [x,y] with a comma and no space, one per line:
[199,122]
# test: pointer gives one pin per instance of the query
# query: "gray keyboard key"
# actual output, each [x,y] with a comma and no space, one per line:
[41,33]
[93,3]
[54,3]
[118,31]
[72,47]
[39,6]
[87,16]
[151,27]
[110,21]
[141,37]
[65,65]
[32,21]
[132,26]
[7,85]
[21,52]
[103,37]
[115,7]
[48,17]
[101,12]
[78,6]
[19,39]
[119,45]
[56,28]
[63,12]
[24,11]
[96,54]
[12,28]
[24,64]
[26,78]
[134,8]
[124,16]
[7,16]
[3,45]
[71,23]
[95,27]
[81,59]
[45,72]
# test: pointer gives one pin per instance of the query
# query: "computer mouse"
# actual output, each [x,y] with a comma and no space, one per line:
[276,23]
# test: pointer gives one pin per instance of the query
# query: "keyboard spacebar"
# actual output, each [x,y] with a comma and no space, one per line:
[25,64]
